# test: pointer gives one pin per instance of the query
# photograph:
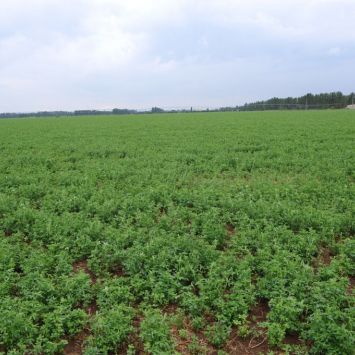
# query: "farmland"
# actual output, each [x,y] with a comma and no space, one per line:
[215,233]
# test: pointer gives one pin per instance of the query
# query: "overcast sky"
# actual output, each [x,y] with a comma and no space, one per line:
[83,54]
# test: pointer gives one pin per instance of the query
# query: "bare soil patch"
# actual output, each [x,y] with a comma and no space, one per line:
[83,265]
[118,271]
[75,345]
[134,339]
[254,344]
[324,258]
[8,233]
[230,229]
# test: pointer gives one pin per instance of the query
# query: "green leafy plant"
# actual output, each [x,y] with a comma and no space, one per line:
[155,333]
[110,329]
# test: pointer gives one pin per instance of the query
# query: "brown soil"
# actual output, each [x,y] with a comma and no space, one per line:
[170,309]
[252,344]
[183,343]
[351,285]
[324,258]
[235,344]
[134,339]
[163,210]
[258,313]
[239,346]
[292,339]
[91,309]
[83,265]
[75,345]
[8,233]
[230,229]
[118,271]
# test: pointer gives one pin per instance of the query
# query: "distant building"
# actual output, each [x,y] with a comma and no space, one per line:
[351,107]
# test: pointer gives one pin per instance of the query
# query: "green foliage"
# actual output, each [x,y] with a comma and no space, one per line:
[276,333]
[114,292]
[331,330]
[177,319]
[110,328]
[28,323]
[218,333]
[211,213]
[198,323]
[155,333]
[183,334]
[195,347]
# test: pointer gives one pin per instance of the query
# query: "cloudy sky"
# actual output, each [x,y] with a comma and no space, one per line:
[83,54]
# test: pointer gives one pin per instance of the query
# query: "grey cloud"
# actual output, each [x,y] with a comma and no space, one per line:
[107,53]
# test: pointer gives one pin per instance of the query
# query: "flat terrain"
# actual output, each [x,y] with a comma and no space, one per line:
[192,233]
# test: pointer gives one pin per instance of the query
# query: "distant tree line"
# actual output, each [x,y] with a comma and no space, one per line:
[115,111]
[35,114]
[310,101]
[332,100]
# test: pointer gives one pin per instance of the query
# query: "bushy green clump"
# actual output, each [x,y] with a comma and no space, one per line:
[155,333]
[110,328]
